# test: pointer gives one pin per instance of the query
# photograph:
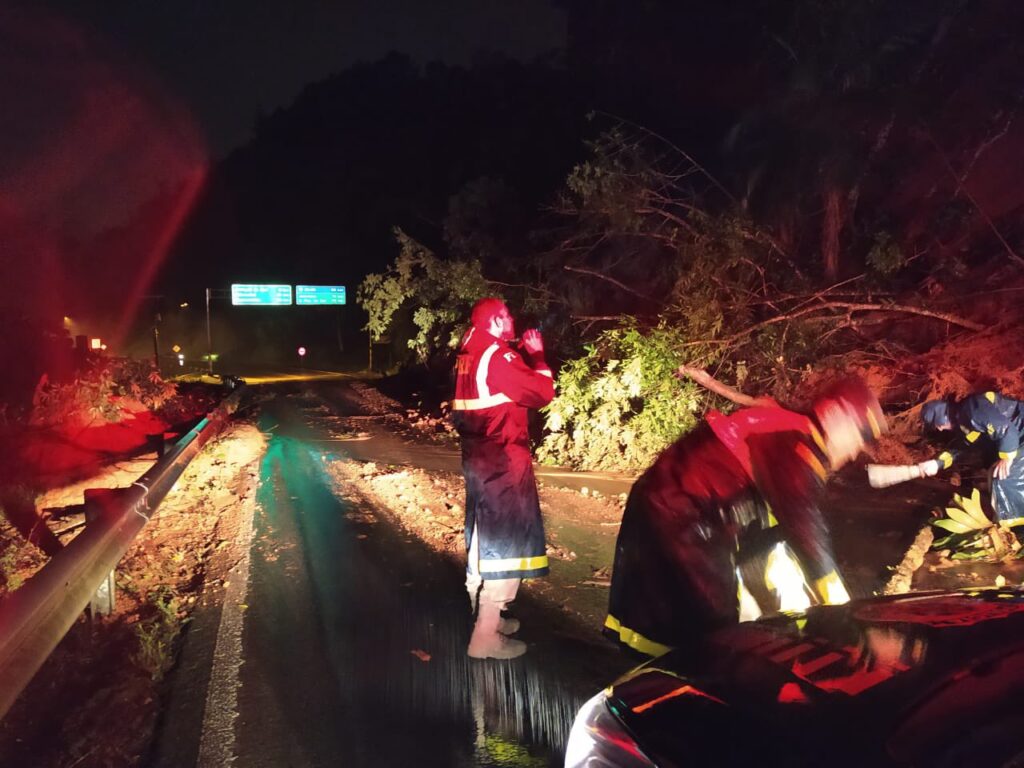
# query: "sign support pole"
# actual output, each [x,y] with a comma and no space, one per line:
[209,337]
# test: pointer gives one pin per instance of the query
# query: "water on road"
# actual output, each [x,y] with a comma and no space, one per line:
[355,634]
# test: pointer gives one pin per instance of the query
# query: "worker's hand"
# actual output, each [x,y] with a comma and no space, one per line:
[533,342]
[1001,471]
[928,468]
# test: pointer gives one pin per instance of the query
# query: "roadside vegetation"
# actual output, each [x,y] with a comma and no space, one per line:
[854,217]
[700,283]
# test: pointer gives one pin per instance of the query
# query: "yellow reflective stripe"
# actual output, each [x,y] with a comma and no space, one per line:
[1013,521]
[876,430]
[818,439]
[514,564]
[972,436]
[946,458]
[990,396]
[808,456]
[635,640]
[990,429]
[1008,455]
[772,522]
[831,589]
[478,403]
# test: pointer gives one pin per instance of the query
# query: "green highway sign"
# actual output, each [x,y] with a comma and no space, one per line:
[319,294]
[258,295]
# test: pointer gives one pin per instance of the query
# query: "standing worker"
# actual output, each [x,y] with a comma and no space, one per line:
[505,543]
[984,419]
[740,489]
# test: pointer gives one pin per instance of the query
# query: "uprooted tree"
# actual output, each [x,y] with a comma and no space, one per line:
[643,229]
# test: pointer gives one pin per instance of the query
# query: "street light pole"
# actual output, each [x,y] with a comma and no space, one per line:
[156,342]
[209,336]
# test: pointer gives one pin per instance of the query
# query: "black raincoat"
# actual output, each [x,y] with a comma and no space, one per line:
[996,421]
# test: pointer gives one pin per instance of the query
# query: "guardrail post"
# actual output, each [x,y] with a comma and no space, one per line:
[98,503]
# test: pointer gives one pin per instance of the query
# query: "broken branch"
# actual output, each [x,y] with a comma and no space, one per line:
[712,384]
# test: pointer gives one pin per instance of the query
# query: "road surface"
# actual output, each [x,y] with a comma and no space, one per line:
[344,644]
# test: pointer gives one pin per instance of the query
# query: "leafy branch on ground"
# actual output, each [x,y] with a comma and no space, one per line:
[971,534]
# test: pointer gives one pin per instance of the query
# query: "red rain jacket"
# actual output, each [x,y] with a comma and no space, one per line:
[710,498]
[494,387]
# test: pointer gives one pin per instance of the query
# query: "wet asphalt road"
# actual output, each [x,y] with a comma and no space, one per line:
[353,637]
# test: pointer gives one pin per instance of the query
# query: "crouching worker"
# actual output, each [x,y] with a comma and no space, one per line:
[495,385]
[711,528]
[993,421]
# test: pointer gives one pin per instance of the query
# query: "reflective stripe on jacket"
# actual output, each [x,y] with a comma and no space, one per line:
[990,415]
[494,388]
[707,504]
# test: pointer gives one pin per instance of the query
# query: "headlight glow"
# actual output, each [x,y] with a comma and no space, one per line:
[599,740]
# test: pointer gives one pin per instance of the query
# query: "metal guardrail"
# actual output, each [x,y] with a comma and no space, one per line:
[36,616]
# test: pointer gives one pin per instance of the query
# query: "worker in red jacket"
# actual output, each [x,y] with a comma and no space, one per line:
[495,385]
[728,517]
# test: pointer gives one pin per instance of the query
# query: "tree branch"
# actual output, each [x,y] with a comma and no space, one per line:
[594,318]
[608,279]
[709,382]
[704,171]
[858,307]
[963,190]
[850,307]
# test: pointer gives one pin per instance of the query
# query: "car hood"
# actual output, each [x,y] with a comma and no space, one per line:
[819,680]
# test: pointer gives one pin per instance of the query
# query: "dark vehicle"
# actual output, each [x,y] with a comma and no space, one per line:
[925,679]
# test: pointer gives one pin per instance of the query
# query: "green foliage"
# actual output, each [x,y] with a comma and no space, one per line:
[608,189]
[97,393]
[156,634]
[620,403]
[886,257]
[441,292]
[970,534]
[9,575]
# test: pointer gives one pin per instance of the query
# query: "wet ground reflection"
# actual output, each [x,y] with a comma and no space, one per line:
[394,621]
[417,698]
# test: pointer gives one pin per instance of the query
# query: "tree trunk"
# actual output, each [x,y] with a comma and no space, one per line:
[831,228]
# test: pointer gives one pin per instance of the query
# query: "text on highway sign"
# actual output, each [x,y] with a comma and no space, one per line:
[260,295]
[319,294]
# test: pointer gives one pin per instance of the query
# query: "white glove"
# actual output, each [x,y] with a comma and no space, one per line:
[884,475]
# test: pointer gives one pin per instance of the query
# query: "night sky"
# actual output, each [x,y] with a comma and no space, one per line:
[115,115]
[231,59]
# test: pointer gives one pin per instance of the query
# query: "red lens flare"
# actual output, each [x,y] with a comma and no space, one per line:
[99,168]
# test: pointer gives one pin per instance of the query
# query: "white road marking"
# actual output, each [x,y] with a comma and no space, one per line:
[217,744]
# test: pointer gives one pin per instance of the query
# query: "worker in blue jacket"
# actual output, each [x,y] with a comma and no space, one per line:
[987,419]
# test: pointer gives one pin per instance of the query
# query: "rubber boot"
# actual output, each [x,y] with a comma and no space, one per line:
[508,625]
[473,584]
[487,642]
